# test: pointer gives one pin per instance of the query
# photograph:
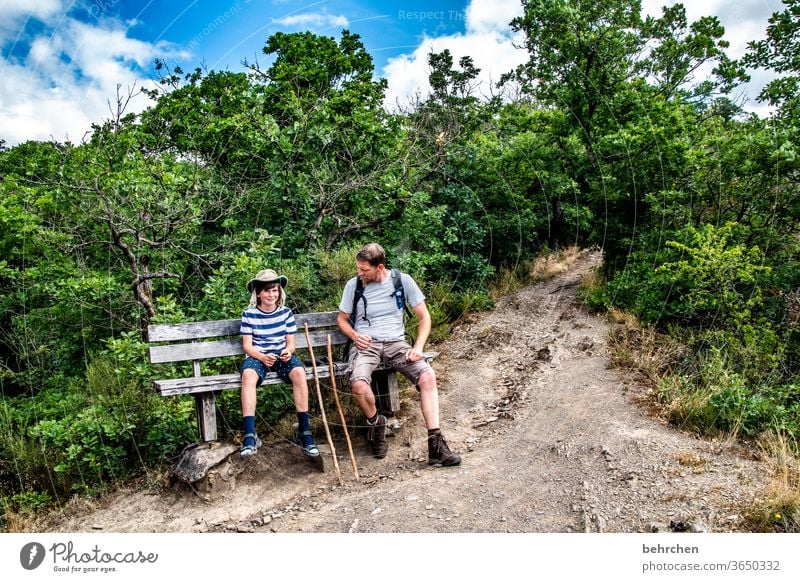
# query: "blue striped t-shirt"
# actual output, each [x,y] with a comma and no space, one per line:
[268,329]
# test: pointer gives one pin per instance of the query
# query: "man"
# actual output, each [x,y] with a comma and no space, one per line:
[378,334]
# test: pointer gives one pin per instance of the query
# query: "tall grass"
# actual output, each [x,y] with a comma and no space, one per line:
[700,390]
[779,510]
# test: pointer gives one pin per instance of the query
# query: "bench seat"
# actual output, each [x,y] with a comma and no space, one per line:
[199,341]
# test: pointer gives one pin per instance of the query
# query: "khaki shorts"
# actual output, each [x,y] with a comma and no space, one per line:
[393,352]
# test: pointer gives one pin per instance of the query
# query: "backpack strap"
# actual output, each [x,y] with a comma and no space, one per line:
[399,292]
[358,294]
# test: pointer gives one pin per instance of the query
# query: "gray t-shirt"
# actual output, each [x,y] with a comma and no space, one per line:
[384,321]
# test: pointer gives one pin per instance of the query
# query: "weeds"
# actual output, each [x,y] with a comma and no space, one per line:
[695,385]
[510,279]
[553,264]
[780,510]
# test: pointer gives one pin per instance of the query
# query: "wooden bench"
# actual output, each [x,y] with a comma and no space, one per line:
[196,342]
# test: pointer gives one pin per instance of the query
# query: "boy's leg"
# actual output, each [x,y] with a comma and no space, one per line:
[250,442]
[297,376]
[249,381]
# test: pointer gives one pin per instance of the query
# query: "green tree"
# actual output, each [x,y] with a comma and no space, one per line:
[778,52]
[621,83]
[145,205]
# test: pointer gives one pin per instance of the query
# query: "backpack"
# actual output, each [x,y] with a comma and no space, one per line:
[358,295]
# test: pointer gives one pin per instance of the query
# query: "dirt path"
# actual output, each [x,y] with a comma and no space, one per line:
[550,439]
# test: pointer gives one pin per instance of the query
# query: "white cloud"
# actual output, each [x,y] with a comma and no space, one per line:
[70,73]
[488,40]
[491,16]
[14,11]
[313,20]
[744,20]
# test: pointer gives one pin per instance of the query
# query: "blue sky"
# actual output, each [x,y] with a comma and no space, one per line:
[62,60]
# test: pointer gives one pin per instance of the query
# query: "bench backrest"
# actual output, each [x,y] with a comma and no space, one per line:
[196,341]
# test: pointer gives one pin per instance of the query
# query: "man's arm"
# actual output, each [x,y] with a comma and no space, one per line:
[343,321]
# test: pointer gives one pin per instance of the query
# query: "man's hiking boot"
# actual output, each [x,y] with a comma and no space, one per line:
[439,453]
[376,435]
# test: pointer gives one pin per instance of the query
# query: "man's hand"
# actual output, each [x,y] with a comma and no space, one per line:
[414,355]
[363,341]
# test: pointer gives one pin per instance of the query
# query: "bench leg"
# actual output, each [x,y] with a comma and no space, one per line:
[205,406]
[384,386]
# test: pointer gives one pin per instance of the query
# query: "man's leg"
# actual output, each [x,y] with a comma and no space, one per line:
[362,364]
[429,399]
[438,451]
[376,423]
[364,397]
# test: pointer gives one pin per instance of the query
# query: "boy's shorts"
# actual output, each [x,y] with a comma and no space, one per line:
[393,352]
[280,368]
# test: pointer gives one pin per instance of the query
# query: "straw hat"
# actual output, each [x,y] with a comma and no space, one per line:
[266,276]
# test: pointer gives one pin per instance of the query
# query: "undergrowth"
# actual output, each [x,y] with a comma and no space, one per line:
[693,382]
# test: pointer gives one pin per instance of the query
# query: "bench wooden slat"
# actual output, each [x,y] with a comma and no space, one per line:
[195,351]
[233,347]
[180,386]
[195,330]
[206,329]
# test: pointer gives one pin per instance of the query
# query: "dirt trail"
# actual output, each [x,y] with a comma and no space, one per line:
[550,438]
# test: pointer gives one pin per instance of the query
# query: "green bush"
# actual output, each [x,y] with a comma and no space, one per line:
[80,437]
[716,396]
[704,277]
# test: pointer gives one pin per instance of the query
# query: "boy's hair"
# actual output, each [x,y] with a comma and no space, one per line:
[259,287]
[373,254]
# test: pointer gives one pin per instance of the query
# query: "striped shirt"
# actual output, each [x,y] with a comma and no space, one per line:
[269,330]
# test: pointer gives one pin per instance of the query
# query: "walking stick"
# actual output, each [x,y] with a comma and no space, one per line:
[339,408]
[322,406]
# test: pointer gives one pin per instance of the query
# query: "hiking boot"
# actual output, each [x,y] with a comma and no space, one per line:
[439,453]
[376,435]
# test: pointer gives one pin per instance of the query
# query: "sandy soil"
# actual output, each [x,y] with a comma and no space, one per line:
[552,440]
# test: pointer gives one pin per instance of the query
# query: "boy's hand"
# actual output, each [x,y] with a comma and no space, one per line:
[270,359]
[286,355]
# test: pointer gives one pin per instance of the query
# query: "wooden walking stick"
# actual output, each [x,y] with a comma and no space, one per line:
[322,407]
[339,408]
